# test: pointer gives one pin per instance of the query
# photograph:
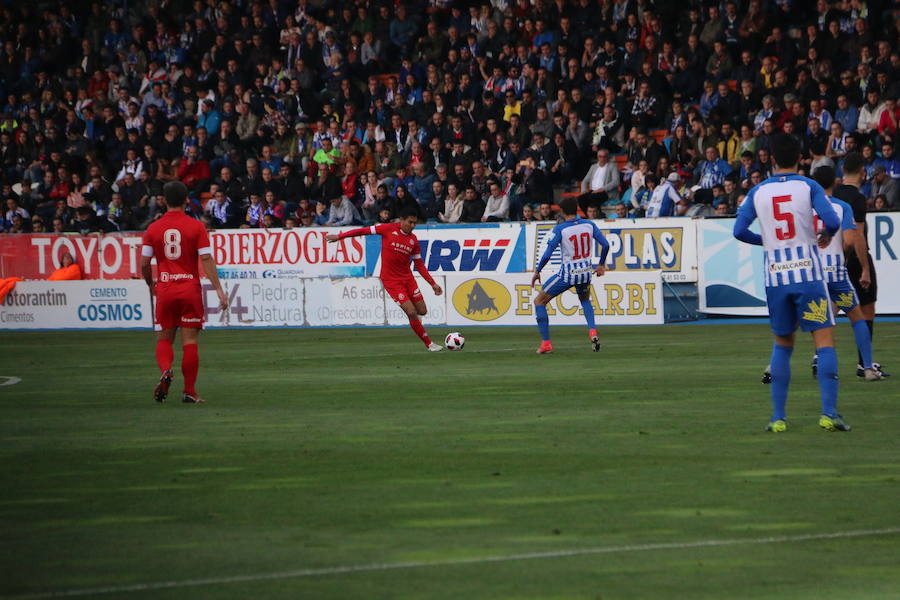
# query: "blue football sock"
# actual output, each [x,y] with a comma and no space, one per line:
[863,343]
[781,379]
[588,309]
[543,321]
[828,380]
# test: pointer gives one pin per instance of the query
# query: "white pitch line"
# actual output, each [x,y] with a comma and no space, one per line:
[374,567]
[10,380]
[525,349]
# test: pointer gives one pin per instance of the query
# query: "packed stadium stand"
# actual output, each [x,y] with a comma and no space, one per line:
[296,114]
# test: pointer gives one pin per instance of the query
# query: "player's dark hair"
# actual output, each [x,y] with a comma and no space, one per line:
[409,211]
[824,176]
[176,193]
[569,205]
[785,150]
[817,148]
[853,163]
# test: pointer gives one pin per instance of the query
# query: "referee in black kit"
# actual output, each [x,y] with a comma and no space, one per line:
[860,268]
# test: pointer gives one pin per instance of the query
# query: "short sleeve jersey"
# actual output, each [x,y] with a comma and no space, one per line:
[177,241]
[663,200]
[576,240]
[857,202]
[398,249]
[833,263]
[784,206]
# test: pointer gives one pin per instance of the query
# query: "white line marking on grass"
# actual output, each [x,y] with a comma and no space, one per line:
[368,568]
[10,380]
[525,349]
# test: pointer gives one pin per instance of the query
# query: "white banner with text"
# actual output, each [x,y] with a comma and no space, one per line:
[77,305]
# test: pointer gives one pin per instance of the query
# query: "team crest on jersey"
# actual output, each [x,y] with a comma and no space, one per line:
[818,311]
[401,297]
[845,300]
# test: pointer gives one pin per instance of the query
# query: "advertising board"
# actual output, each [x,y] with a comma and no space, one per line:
[507,299]
[76,305]
[666,244]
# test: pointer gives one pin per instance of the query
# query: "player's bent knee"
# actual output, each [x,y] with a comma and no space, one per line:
[868,311]
[785,340]
[824,337]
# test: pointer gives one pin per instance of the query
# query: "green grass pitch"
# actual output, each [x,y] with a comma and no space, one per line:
[320,451]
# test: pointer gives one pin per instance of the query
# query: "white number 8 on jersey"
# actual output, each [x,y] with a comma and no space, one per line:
[172,240]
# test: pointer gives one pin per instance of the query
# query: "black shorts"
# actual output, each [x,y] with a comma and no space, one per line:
[866,295]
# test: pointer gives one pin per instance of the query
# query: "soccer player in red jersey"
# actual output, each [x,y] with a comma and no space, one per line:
[398,247]
[179,244]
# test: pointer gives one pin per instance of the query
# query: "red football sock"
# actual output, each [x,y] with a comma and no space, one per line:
[190,364]
[164,355]
[417,326]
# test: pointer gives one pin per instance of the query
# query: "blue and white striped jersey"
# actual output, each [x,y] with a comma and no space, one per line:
[833,263]
[663,200]
[784,205]
[575,239]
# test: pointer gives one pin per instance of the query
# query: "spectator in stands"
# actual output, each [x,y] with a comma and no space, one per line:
[870,113]
[600,184]
[528,215]
[194,171]
[86,221]
[222,210]
[453,205]
[340,213]
[546,212]
[234,82]
[664,199]
[884,185]
[12,210]
[713,170]
[729,146]
[473,207]
[889,160]
[497,205]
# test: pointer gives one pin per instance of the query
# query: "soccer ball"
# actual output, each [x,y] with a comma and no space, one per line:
[454,341]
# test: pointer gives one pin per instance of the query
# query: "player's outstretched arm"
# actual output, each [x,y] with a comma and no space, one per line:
[333,237]
[209,267]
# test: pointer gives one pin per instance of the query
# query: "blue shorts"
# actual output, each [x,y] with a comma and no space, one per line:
[806,305]
[556,285]
[843,294]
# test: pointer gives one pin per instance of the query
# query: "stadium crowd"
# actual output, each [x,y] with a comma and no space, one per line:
[304,113]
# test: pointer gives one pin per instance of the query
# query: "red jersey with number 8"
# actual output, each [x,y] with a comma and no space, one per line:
[177,241]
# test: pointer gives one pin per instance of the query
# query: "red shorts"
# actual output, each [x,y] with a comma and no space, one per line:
[179,308]
[402,290]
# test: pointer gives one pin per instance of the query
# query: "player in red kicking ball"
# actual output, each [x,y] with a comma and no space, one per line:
[399,246]
[179,244]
